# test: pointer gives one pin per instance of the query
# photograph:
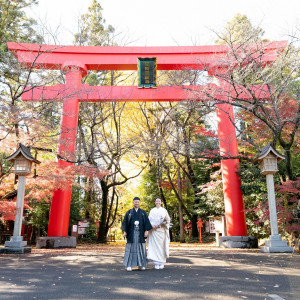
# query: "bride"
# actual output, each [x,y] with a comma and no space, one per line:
[158,239]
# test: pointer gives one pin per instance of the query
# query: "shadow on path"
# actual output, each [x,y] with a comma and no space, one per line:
[188,275]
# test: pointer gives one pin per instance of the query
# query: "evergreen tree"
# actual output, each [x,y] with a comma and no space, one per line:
[15,26]
[92,28]
[239,31]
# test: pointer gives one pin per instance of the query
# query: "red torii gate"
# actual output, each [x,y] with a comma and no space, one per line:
[77,60]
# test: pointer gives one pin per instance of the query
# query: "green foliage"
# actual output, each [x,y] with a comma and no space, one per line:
[253,182]
[215,202]
[5,165]
[211,202]
[254,190]
[191,239]
[39,215]
[150,188]
[90,233]
[76,207]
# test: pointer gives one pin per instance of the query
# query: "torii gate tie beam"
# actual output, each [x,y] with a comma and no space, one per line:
[77,60]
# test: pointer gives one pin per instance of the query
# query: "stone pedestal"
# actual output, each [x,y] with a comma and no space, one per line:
[22,250]
[276,245]
[16,245]
[238,242]
[52,242]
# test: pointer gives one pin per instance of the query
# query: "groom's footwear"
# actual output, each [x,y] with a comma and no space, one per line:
[129,269]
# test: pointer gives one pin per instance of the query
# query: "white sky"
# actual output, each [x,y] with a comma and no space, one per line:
[171,22]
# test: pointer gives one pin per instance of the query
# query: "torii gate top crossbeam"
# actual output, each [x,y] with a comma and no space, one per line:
[125,58]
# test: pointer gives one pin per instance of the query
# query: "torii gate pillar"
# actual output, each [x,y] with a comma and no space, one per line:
[61,200]
[233,197]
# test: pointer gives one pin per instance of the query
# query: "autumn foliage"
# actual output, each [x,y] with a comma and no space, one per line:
[49,175]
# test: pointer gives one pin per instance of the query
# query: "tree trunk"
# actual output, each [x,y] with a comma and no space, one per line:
[161,193]
[160,188]
[179,205]
[192,180]
[288,165]
[115,212]
[194,226]
[88,199]
[110,210]
[102,231]
[33,235]
[181,224]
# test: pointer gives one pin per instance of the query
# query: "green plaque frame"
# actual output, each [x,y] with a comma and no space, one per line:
[147,71]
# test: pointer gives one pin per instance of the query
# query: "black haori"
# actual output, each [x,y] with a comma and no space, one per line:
[128,224]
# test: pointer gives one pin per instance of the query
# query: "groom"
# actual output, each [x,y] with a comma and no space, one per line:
[135,226]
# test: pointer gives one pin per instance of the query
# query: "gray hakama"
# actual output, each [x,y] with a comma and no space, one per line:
[135,253]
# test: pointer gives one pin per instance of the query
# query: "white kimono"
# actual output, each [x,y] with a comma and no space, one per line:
[158,240]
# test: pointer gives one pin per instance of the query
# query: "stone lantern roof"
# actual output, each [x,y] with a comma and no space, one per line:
[24,151]
[269,149]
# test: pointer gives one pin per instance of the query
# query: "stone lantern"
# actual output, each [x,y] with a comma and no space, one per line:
[22,160]
[268,159]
